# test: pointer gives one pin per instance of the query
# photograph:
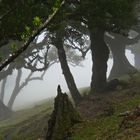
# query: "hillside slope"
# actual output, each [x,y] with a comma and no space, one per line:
[28,124]
[102,114]
[111,116]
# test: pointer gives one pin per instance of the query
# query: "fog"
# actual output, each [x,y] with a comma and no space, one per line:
[39,90]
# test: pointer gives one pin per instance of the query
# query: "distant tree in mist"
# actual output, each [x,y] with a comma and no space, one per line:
[41,57]
[117,44]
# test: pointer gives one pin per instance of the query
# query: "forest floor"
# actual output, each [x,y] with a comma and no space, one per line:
[112,115]
[106,116]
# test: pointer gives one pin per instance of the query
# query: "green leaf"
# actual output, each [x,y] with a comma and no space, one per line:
[13,47]
[23,36]
[28,29]
[36,21]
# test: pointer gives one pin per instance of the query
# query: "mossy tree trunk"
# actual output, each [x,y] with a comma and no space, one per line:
[62,119]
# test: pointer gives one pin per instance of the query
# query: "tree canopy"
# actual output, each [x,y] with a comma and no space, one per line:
[108,14]
[19,18]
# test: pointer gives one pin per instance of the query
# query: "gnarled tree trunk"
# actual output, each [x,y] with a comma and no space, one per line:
[100,55]
[121,64]
[66,71]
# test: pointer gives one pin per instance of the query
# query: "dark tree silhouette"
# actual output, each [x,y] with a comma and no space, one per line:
[43,53]
[65,68]
[100,55]
[101,18]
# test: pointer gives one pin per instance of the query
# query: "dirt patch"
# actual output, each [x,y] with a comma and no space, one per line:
[94,105]
[103,103]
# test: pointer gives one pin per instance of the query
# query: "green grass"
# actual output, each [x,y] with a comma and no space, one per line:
[27,124]
[104,127]
[24,114]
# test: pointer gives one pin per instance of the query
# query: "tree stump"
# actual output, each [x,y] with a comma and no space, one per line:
[63,118]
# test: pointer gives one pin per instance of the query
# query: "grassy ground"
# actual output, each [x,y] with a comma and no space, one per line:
[101,120]
[101,114]
[28,124]
[105,126]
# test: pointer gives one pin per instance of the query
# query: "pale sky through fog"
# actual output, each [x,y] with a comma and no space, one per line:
[38,90]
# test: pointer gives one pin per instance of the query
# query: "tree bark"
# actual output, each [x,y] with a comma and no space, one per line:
[100,55]
[66,71]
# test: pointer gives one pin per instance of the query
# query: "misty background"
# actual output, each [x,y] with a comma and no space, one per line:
[39,90]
